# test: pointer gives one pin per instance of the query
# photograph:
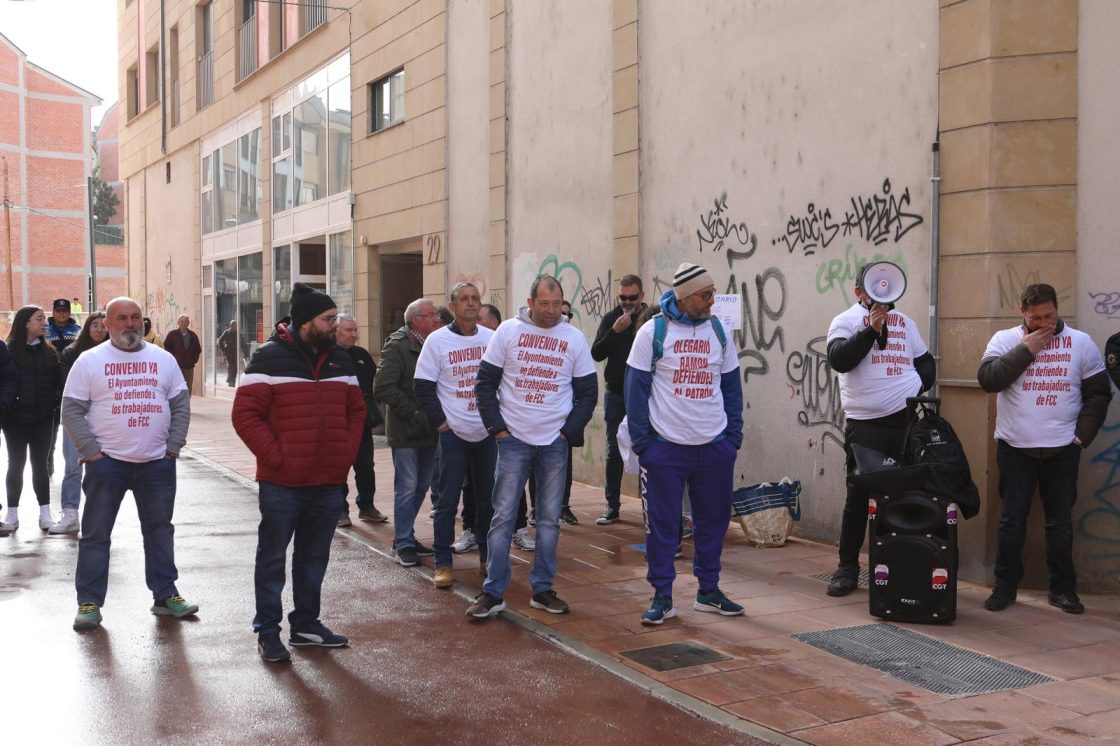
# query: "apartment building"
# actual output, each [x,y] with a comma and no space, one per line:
[45,151]
[394,147]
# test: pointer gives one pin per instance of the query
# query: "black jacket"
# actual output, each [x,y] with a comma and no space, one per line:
[9,379]
[39,389]
[614,348]
[366,369]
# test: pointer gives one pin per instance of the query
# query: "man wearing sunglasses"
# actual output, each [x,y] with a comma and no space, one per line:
[612,343]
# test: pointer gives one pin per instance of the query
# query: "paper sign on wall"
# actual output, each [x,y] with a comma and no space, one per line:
[728,309]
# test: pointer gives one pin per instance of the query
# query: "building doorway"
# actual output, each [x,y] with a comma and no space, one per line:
[402,281]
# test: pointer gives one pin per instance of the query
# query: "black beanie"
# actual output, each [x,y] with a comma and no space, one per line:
[307,303]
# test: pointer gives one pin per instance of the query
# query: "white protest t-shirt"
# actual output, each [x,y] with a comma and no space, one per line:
[686,403]
[883,380]
[128,394]
[451,361]
[538,367]
[1040,409]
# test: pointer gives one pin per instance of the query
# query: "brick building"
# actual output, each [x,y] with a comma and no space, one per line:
[45,144]
[111,248]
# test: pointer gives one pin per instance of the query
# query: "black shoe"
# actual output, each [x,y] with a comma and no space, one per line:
[485,606]
[999,600]
[407,557]
[567,516]
[610,515]
[271,649]
[842,585]
[1067,602]
[549,601]
[423,551]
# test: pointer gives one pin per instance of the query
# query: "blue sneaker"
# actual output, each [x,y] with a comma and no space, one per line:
[316,633]
[660,610]
[717,603]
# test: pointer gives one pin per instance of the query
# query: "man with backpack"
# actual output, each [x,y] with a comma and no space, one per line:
[684,403]
[1053,396]
[882,360]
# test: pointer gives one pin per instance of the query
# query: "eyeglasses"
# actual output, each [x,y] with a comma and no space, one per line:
[629,298]
[707,295]
[432,315]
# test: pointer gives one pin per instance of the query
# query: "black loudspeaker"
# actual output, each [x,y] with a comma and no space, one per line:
[913,558]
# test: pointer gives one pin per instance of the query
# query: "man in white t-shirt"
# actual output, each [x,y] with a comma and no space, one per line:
[882,360]
[684,408]
[536,391]
[444,384]
[1053,395]
[126,408]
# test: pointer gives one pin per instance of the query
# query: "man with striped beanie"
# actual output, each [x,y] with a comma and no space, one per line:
[684,401]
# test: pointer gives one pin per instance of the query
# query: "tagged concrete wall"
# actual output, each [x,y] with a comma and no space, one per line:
[1097,306]
[560,173]
[783,146]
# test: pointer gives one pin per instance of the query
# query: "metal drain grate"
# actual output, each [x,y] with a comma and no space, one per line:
[827,577]
[674,656]
[921,660]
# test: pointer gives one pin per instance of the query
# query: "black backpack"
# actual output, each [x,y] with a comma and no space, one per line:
[931,441]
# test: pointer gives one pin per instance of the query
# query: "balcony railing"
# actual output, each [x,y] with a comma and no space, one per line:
[314,15]
[206,79]
[247,48]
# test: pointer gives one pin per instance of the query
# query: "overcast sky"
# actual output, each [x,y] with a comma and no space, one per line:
[74,39]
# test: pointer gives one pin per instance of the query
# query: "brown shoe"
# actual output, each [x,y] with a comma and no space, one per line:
[372,515]
[443,577]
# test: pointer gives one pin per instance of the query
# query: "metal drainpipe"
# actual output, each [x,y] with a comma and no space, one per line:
[162,78]
[935,253]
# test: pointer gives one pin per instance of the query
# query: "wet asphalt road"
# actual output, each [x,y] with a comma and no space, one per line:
[417,671]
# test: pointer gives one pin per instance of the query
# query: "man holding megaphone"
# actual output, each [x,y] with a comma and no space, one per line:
[882,360]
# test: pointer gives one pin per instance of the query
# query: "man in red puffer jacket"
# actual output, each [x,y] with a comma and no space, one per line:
[300,411]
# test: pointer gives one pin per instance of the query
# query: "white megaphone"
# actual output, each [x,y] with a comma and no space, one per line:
[883,282]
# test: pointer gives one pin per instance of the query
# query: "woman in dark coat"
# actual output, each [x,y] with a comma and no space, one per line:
[28,424]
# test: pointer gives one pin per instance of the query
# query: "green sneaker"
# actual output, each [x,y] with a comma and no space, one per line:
[89,617]
[175,606]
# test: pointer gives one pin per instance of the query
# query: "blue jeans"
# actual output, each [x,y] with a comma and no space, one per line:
[515,459]
[457,456]
[72,478]
[614,409]
[153,486]
[1020,472]
[412,475]
[310,514]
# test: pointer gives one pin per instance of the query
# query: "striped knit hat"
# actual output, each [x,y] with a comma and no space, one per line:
[689,279]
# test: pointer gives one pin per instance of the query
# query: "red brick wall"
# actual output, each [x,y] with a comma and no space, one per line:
[56,184]
[9,65]
[9,120]
[56,126]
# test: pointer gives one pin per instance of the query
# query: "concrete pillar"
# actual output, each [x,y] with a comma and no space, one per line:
[1008,108]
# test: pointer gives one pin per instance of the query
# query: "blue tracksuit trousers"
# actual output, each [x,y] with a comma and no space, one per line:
[665,469]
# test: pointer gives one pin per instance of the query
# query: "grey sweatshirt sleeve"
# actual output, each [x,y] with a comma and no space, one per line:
[74,414]
[180,421]
[997,373]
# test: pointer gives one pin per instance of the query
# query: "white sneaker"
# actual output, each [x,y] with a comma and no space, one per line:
[46,518]
[523,541]
[466,542]
[67,524]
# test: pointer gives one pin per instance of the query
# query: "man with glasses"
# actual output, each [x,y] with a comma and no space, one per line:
[536,391]
[301,413]
[612,343]
[411,437]
[684,404]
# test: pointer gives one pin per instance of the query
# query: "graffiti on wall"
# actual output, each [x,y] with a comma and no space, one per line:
[765,306]
[840,274]
[1011,282]
[811,377]
[716,228]
[1106,304]
[164,311]
[596,300]
[1100,524]
[878,218]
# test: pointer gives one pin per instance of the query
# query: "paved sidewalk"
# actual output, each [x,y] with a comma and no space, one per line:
[770,678]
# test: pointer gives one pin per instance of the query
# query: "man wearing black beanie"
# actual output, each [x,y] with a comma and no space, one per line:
[300,411]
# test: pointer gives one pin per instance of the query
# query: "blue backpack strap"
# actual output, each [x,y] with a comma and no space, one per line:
[720,333]
[660,328]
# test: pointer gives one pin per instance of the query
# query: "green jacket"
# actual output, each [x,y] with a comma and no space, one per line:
[405,425]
